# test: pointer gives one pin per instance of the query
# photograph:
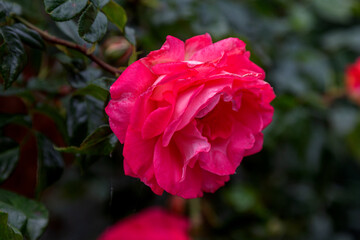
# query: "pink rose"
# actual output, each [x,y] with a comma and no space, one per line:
[151,224]
[353,80]
[188,113]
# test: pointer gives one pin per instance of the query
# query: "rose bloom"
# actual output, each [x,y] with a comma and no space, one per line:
[352,78]
[188,113]
[151,224]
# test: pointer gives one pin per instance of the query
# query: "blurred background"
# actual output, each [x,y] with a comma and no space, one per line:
[304,184]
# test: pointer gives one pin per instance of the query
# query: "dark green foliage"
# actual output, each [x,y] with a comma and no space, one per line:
[29,216]
[9,154]
[92,24]
[12,55]
[62,10]
[115,13]
[50,163]
[28,36]
[7,231]
[100,142]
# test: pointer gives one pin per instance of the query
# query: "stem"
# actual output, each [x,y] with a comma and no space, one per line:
[333,95]
[195,217]
[57,41]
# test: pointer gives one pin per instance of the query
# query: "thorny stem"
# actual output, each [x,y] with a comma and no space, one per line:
[57,41]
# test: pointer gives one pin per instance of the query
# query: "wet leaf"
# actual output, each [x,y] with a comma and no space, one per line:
[50,163]
[12,55]
[115,13]
[25,214]
[29,36]
[9,155]
[92,24]
[62,10]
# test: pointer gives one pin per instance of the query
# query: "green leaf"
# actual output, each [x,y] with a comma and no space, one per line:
[50,163]
[70,30]
[100,142]
[63,10]
[344,38]
[8,232]
[99,3]
[95,91]
[25,214]
[116,14]
[9,155]
[11,118]
[130,35]
[353,141]
[244,199]
[29,36]
[335,10]
[56,116]
[13,56]
[92,24]
[7,8]
[134,55]
[84,115]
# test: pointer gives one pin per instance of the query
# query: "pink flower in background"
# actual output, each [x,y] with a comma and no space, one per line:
[353,80]
[151,224]
[188,113]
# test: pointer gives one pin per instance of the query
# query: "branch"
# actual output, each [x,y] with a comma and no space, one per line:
[334,95]
[57,41]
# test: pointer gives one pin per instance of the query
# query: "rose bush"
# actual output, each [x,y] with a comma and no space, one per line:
[151,224]
[188,113]
[353,80]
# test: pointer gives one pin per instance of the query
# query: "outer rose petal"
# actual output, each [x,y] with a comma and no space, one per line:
[134,80]
[151,224]
[212,52]
[119,116]
[138,159]
[248,68]
[259,139]
[196,43]
[172,50]
[212,182]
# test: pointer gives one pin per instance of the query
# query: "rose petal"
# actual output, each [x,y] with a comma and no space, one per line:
[134,80]
[138,158]
[212,182]
[194,105]
[119,116]
[247,66]
[218,122]
[225,155]
[168,164]
[172,50]
[259,139]
[216,160]
[212,52]
[181,104]
[196,43]
[153,223]
[170,67]
[190,143]
[156,122]
[249,113]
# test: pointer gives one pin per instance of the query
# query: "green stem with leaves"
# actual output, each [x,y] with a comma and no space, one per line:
[57,41]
